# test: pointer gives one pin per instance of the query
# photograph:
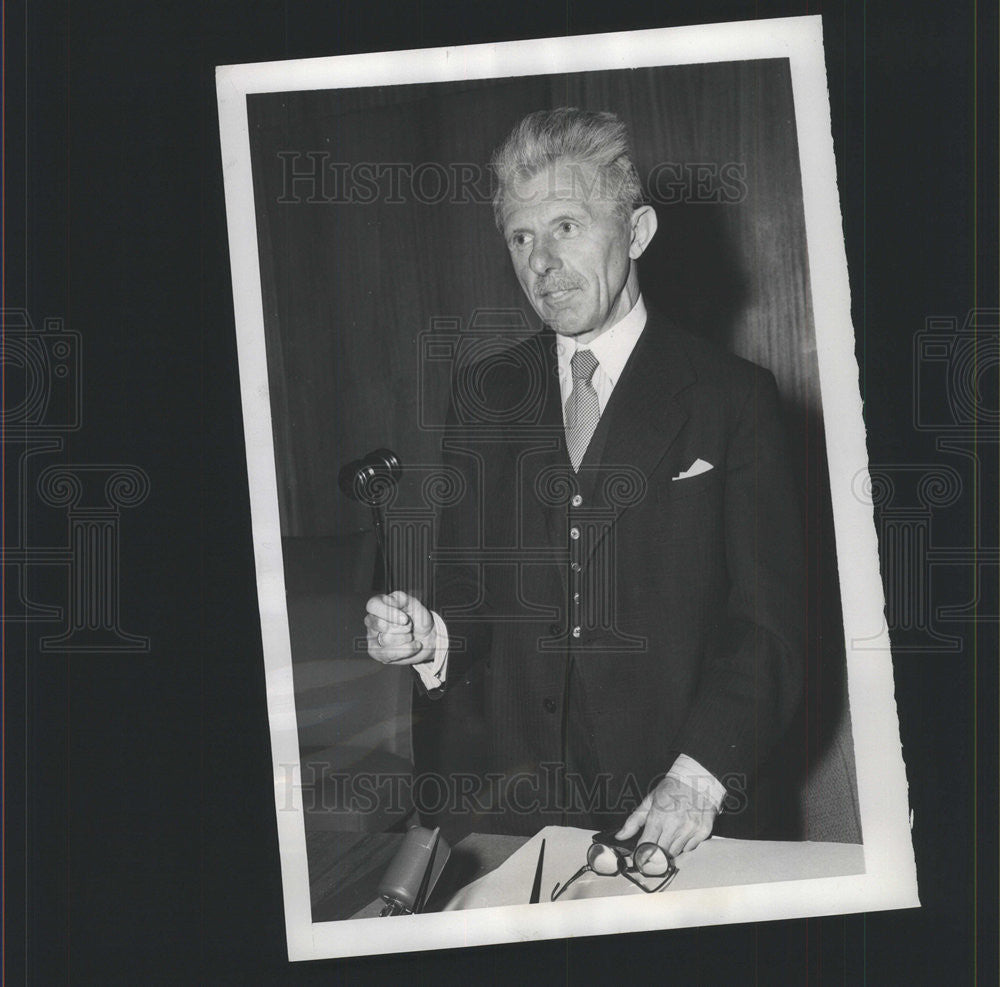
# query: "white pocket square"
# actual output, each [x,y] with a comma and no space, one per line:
[697,467]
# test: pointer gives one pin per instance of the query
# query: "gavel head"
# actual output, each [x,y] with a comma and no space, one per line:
[372,479]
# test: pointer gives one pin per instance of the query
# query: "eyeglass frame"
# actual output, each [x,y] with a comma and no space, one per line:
[623,850]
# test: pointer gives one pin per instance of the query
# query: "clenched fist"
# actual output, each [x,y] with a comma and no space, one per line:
[400,629]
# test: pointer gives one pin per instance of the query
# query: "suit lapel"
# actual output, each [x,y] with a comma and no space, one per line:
[642,418]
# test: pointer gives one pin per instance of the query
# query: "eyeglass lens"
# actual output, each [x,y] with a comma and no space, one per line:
[651,860]
[604,860]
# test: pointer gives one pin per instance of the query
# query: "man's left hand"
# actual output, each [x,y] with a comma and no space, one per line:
[675,815]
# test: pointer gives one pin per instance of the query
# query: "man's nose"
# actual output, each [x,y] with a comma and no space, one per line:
[543,258]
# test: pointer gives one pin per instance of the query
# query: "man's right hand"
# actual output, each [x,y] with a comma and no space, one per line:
[400,629]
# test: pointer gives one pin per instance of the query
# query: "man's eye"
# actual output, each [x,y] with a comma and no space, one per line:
[519,240]
[568,226]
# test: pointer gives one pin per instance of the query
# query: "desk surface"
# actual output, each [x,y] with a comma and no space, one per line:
[716,863]
[487,870]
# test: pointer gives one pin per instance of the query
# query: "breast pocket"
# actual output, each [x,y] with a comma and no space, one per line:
[705,484]
[687,515]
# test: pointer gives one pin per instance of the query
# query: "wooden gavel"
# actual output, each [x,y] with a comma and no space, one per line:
[371,480]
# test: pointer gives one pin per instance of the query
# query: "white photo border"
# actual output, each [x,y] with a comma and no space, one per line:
[889,880]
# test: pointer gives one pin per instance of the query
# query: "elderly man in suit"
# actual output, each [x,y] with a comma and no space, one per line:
[621,575]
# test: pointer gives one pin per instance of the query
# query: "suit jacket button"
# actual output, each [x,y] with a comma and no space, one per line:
[550,705]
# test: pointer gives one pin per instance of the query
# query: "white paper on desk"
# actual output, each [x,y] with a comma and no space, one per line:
[715,863]
[511,882]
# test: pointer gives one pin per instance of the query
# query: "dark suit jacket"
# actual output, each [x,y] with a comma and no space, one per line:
[605,621]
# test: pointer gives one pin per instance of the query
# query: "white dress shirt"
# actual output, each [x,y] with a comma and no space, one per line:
[612,350]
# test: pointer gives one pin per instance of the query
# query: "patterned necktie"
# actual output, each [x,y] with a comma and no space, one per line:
[583,410]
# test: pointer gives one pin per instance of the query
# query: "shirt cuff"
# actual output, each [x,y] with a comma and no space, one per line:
[690,772]
[434,671]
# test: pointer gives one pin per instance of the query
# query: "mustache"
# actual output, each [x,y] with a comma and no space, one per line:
[548,285]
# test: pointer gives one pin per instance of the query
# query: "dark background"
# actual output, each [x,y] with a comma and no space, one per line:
[140,823]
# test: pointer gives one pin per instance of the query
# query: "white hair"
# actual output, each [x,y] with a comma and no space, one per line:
[584,137]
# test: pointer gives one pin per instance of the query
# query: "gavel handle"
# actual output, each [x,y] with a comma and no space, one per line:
[389,581]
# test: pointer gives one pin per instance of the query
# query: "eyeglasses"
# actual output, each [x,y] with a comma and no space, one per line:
[609,859]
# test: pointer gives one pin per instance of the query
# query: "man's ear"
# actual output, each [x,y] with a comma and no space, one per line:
[643,226]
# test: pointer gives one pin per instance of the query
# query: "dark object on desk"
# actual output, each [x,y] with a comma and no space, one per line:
[418,905]
[413,872]
[607,838]
[349,868]
[536,887]
[372,480]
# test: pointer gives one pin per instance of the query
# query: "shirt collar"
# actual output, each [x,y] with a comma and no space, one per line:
[612,348]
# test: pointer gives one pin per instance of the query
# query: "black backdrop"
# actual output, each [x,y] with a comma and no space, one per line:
[140,823]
